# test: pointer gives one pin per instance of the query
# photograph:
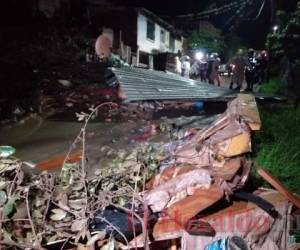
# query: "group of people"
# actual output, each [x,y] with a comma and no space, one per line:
[183,66]
[251,67]
[206,67]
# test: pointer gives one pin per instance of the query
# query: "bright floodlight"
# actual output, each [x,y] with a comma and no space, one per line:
[275,28]
[199,55]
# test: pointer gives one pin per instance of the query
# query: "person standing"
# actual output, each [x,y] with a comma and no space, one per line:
[214,75]
[238,70]
[251,71]
[203,69]
[185,67]
[263,62]
[195,70]
[209,67]
[177,65]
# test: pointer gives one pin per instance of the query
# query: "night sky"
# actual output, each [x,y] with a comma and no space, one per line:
[252,27]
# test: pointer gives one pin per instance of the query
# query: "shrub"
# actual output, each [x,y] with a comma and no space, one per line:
[276,146]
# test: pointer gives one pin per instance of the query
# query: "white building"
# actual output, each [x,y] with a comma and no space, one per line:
[138,34]
[154,35]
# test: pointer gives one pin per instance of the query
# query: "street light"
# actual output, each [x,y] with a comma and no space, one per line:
[199,55]
[275,28]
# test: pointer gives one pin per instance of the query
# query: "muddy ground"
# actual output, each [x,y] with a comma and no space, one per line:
[38,139]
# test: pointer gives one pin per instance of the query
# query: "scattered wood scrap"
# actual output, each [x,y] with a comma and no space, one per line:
[274,182]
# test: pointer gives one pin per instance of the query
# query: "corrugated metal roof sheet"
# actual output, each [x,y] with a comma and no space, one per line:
[141,85]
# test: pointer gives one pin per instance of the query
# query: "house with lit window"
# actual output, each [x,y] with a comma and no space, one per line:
[137,34]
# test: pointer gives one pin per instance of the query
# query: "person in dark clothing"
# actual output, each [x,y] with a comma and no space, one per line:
[210,62]
[214,76]
[238,64]
[203,65]
[263,62]
[251,71]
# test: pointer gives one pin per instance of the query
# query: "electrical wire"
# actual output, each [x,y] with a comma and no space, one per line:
[260,10]
[222,9]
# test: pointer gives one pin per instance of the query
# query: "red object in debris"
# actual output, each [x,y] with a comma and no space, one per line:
[148,133]
[57,162]
[111,92]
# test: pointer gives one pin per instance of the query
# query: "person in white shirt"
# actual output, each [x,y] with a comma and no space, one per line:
[186,67]
[178,65]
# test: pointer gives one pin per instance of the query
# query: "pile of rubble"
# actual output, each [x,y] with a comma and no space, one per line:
[70,99]
[188,193]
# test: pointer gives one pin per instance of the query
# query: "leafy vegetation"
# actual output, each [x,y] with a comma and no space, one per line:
[274,86]
[285,40]
[233,44]
[276,146]
[208,38]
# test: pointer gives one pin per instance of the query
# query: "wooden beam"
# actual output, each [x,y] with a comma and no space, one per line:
[279,187]
[247,109]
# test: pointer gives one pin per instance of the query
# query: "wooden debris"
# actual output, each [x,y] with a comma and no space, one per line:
[228,171]
[212,148]
[167,174]
[248,110]
[199,170]
[279,187]
[187,208]
[176,188]
[167,228]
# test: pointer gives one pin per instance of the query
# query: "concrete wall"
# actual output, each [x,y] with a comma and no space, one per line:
[178,45]
[147,45]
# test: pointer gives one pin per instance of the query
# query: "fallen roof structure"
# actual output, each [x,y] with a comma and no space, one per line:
[136,84]
[143,85]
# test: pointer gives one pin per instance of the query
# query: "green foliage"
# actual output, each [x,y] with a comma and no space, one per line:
[274,86]
[287,38]
[208,38]
[276,146]
[3,197]
[10,208]
[234,44]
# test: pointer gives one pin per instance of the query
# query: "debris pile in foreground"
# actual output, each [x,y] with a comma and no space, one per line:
[151,196]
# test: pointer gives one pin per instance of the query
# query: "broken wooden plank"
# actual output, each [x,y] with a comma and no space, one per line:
[228,171]
[247,109]
[233,140]
[187,208]
[167,228]
[239,207]
[273,181]
[236,145]
[167,174]
[177,188]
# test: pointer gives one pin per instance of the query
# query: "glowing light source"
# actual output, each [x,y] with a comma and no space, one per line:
[275,28]
[199,55]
